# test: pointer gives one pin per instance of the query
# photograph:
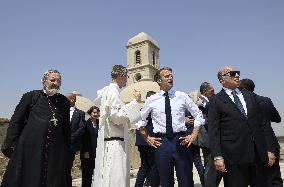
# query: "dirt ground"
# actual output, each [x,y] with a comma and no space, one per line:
[76,170]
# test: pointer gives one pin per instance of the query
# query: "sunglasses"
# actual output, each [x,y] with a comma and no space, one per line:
[232,73]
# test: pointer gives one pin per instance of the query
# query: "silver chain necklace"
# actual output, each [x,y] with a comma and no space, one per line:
[53,119]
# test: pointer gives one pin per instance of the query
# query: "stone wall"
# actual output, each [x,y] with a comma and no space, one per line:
[3,160]
[3,128]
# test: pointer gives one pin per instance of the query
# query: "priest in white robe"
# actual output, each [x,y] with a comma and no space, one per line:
[112,163]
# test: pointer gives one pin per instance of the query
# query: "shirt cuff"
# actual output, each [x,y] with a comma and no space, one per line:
[218,158]
[197,123]
[140,124]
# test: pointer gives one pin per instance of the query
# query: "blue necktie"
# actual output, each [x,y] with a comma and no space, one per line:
[238,103]
[169,127]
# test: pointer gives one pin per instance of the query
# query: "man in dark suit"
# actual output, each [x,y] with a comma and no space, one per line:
[239,141]
[195,147]
[148,168]
[270,114]
[212,177]
[77,123]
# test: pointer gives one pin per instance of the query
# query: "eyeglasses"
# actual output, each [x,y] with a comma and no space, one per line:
[232,73]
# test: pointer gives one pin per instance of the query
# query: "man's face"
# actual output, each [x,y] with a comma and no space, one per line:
[121,81]
[209,92]
[166,81]
[72,100]
[52,83]
[230,78]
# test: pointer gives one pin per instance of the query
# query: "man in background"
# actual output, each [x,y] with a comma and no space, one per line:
[270,114]
[77,123]
[148,169]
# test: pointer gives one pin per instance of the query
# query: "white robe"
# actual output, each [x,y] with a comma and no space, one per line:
[112,166]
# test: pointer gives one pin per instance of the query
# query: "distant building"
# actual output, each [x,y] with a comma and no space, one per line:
[143,61]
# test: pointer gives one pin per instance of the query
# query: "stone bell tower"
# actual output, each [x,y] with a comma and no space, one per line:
[142,58]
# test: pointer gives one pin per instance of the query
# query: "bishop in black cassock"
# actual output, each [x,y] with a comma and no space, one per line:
[37,141]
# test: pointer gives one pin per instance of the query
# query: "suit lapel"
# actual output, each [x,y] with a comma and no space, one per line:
[226,99]
[74,114]
[228,102]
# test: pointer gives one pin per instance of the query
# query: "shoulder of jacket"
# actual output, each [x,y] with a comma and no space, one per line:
[31,93]
[64,98]
[81,111]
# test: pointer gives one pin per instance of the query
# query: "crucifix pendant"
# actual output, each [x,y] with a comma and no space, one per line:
[54,120]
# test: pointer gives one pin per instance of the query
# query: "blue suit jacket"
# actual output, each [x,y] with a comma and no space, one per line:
[270,114]
[77,129]
[149,127]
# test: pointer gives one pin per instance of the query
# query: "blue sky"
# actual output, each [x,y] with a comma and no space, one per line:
[83,39]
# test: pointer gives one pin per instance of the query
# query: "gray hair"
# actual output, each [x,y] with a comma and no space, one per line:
[47,73]
[118,71]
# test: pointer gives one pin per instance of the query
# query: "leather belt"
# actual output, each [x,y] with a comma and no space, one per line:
[182,133]
[114,138]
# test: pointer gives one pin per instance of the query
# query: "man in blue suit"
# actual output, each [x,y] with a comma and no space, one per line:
[77,123]
[270,114]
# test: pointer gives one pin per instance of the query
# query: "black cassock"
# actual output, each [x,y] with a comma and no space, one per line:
[41,148]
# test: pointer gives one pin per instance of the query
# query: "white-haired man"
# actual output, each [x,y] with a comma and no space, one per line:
[38,137]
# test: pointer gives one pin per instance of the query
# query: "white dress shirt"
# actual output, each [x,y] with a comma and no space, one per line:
[239,94]
[206,99]
[72,109]
[180,102]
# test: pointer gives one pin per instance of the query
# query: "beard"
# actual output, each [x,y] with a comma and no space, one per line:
[51,91]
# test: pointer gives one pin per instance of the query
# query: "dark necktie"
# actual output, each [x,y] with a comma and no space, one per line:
[238,103]
[169,127]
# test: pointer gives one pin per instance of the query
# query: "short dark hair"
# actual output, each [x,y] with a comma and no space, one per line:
[204,86]
[118,71]
[158,73]
[149,93]
[247,84]
[92,108]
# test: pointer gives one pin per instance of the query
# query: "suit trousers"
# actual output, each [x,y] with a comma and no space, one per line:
[197,162]
[87,165]
[171,154]
[148,169]
[274,173]
[212,176]
[243,175]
